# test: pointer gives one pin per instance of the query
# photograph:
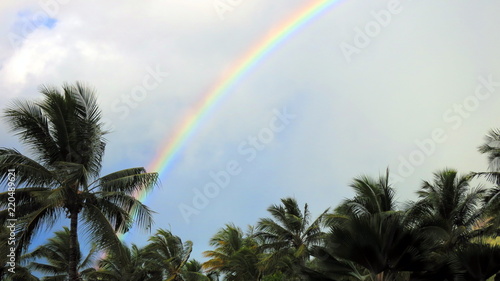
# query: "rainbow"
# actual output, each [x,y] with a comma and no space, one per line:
[175,143]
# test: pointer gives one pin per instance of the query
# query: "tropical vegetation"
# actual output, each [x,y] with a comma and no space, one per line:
[449,232]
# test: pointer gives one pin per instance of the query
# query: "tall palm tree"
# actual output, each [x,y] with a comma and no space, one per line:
[56,254]
[169,253]
[289,235]
[65,135]
[235,256]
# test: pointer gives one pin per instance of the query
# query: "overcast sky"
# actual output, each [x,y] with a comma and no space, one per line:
[366,85]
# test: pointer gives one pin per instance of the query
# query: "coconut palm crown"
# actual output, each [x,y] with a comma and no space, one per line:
[65,136]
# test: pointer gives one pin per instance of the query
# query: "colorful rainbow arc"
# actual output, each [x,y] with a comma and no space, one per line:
[168,154]
[174,145]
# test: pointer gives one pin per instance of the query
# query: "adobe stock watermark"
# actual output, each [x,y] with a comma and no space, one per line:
[131,100]
[47,12]
[223,7]
[363,36]
[454,117]
[248,150]
[11,221]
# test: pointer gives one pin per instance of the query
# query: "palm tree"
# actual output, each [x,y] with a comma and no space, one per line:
[65,135]
[169,253]
[479,260]
[369,237]
[56,252]
[193,271]
[491,147]
[235,256]
[452,205]
[372,197]
[383,244]
[451,212]
[126,264]
[289,235]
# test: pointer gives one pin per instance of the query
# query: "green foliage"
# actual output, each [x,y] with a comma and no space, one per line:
[56,253]
[167,253]
[126,264]
[449,233]
[65,137]
[235,255]
[372,197]
[286,239]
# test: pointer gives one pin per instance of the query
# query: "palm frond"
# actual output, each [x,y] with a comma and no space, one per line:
[98,227]
[26,120]
[123,210]
[129,181]
[45,215]
[26,170]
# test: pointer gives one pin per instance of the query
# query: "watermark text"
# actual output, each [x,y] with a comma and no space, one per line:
[11,221]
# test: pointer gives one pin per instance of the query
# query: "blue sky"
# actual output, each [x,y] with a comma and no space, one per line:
[408,85]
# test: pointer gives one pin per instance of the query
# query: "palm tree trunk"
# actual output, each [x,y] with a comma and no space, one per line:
[73,247]
[380,276]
